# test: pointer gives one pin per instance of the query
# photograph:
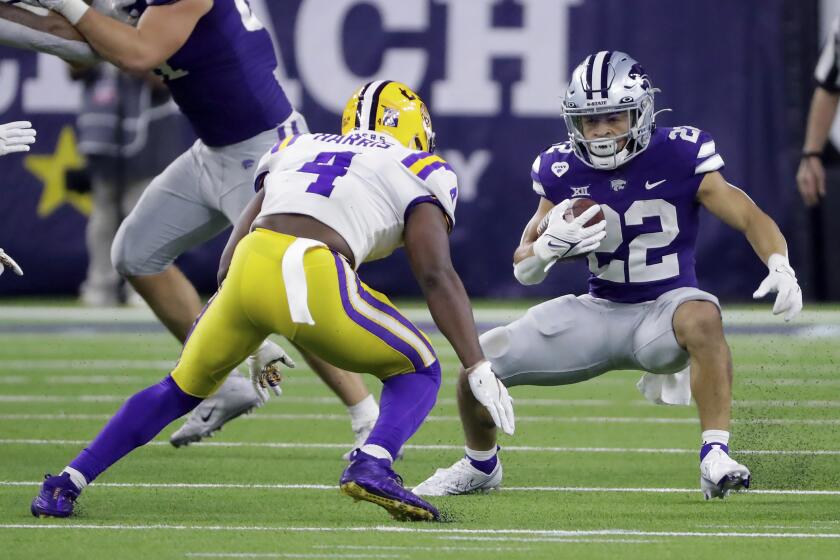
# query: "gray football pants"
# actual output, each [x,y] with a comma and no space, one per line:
[197,196]
[574,338]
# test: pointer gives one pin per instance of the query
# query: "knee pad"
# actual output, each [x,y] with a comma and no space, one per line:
[127,256]
[495,343]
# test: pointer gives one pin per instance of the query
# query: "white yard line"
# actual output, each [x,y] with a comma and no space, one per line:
[63,365]
[382,550]
[571,540]
[501,314]
[424,531]
[424,548]
[745,370]
[265,417]
[508,448]
[287,555]
[332,487]
[29,398]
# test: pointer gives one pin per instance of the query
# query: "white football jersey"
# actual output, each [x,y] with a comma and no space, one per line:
[363,185]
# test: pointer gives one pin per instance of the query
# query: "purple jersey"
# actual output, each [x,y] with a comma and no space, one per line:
[651,208]
[223,77]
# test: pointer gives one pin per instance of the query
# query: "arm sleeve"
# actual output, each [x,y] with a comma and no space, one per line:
[827,71]
[22,37]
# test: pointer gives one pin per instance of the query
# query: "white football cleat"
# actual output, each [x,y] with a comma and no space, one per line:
[460,478]
[235,397]
[720,474]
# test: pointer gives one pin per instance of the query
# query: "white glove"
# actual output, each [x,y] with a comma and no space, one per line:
[73,10]
[264,367]
[563,240]
[16,137]
[489,391]
[782,280]
[6,260]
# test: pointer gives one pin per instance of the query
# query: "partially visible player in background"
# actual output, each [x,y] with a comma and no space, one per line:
[327,203]
[811,175]
[15,137]
[644,310]
[218,61]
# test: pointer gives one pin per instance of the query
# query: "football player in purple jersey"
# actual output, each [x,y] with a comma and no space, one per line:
[643,310]
[218,61]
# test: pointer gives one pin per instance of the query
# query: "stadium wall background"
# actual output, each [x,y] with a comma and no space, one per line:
[492,72]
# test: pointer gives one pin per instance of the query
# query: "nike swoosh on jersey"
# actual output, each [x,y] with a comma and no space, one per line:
[649,185]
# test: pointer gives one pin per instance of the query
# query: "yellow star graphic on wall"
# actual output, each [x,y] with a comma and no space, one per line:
[51,169]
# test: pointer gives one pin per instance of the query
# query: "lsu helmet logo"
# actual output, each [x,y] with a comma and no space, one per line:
[559,168]
[392,108]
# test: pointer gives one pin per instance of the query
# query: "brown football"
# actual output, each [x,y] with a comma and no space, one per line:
[578,207]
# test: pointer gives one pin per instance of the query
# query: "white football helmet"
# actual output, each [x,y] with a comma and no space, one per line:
[609,82]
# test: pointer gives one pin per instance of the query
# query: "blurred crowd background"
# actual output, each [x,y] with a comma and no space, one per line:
[493,73]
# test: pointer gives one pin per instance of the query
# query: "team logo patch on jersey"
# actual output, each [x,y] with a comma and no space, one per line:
[580,191]
[617,184]
[559,168]
[390,117]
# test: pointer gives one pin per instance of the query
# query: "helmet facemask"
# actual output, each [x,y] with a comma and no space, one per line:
[604,152]
[606,83]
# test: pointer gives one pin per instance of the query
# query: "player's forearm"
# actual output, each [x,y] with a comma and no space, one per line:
[51,23]
[117,42]
[451,310]
[51,34]
[525,250]
[820,118]
[764,236]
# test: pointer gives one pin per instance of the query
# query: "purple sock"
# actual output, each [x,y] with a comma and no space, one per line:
[405,402]
[140,418]
[707,446]
[485,466]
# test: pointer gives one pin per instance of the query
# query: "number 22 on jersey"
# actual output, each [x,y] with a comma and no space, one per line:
[637,268]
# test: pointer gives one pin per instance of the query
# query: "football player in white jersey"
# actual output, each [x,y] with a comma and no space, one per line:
[327,203]
[208,186]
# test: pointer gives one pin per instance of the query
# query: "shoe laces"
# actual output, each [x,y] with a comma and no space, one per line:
[462,466]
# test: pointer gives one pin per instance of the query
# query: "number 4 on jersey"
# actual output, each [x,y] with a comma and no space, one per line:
[328,166]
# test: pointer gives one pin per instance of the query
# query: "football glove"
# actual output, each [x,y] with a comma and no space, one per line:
[73,10]
[16,137]
[264,367]
[782,280]
[564,240]
[7,261]
[489,391]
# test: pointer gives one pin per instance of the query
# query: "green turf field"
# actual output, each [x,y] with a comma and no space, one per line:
[593,470]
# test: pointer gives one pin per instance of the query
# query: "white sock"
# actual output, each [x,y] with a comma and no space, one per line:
[77,478]
[480,455]
[376,451]
[364,412]
[715,436]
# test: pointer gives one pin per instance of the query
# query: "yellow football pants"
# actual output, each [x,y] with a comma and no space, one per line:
[355,328]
